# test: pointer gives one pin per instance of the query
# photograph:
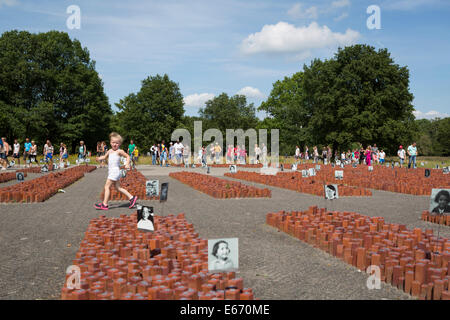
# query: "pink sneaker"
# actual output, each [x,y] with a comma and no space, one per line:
[132,202]
[100,206]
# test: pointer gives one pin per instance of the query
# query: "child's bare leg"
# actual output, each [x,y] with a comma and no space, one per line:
[107,191]
[125,192]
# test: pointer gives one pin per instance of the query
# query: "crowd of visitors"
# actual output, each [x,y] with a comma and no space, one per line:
[177,153]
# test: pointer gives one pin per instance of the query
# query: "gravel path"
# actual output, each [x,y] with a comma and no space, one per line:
[38,241]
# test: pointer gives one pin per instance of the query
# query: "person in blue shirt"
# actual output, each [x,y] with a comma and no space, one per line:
[412,153]
[26,150]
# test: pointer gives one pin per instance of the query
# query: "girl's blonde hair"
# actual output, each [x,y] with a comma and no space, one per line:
[115,135]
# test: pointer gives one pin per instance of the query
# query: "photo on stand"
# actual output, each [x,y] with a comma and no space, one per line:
[439,201]
[145,218]
[152,188]
[331,191]
[223,255]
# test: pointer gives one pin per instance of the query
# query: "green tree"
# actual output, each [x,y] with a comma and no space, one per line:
[152,114]
[224,112]
[49,89]
[360,95]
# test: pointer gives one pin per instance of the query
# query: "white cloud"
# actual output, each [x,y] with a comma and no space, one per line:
[251,92]
[340,3]
[297,12]
[287,38]
[432,114]
[8,3]
[197,100]
[341,17]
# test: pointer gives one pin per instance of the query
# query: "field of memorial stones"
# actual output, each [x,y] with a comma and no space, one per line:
[381,220]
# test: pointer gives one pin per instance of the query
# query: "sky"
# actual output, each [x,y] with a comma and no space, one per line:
[243,47]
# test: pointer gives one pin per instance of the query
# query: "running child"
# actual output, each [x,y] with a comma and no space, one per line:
[113,155]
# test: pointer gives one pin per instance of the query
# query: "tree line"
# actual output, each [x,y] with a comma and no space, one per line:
[49,89]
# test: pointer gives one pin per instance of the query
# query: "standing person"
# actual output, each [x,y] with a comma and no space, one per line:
[49,155]
[26,150]
[244,154]
[130,151]
[33,153]
[257,153]
[356,153]
[218,153]
[135,156]
[154,151]
[306,153]
[63,155]
[324,154]
[329,154]
[113,155]
[6,149]
[368,156]
[362,155]
[297,153]
[203,156]
[382,156]
[158,154]
[178,149]
[401,155]
[229,152]
[2,155]
[16,151]
[412,153]
[45,149]
[316,154]
[82,151]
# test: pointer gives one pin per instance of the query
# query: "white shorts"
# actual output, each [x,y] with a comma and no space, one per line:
[114,174]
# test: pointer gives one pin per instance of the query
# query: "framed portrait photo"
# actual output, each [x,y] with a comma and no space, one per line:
[440,201]
[145,221]
[223,255]
[331,191]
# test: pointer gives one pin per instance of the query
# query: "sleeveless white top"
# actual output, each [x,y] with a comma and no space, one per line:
[114,161]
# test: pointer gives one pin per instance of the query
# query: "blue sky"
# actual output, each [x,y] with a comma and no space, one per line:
[209,47]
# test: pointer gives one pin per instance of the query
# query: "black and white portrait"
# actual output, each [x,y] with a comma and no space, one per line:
[44,168]
[152,188]
[311,172]
[354,165]
[339,174]
[370,168]
[338,162]
[439,201]
[331,192]
[304,173]
[164,191]
[294,167]
[20,176]
[427,173]
[233,169]
[446,170]
[145,218]
[223,255]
